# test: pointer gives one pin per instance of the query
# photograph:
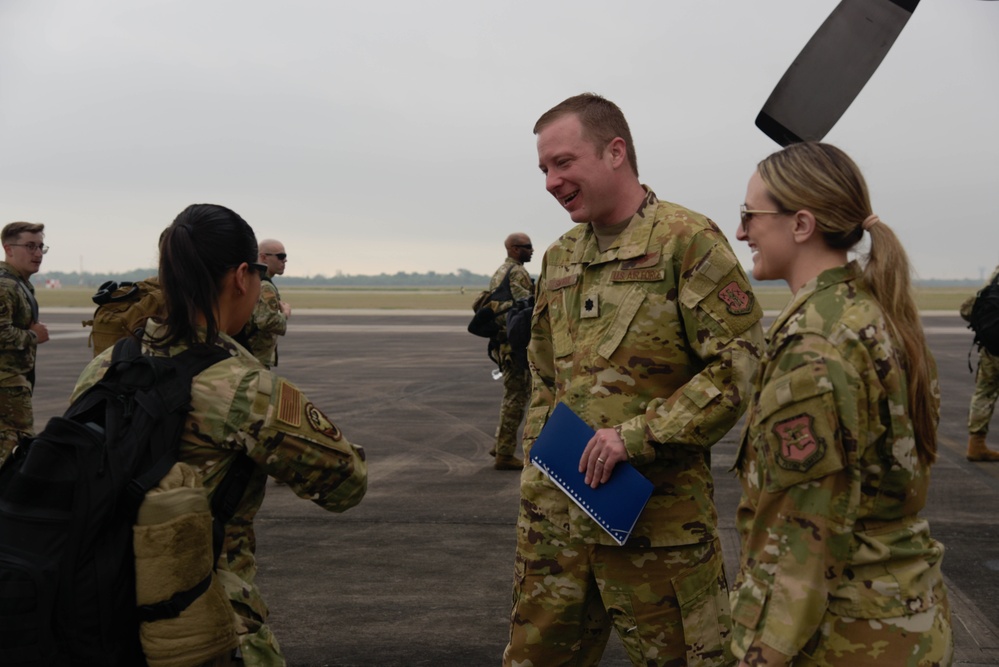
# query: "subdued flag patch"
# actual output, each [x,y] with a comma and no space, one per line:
[289,408]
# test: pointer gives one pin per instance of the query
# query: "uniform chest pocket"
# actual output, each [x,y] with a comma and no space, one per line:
[620,324]
[796,428]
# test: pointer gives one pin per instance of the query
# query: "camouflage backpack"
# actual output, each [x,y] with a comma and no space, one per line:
[121,309]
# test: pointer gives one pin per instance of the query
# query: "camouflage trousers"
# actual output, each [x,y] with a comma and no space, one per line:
[983,401]
[669,605]
[16,418]
[920,640]
[516,393]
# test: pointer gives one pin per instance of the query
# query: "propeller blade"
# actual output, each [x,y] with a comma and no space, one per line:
[832,69]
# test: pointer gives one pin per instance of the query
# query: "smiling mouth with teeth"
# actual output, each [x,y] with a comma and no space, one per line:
[568,199]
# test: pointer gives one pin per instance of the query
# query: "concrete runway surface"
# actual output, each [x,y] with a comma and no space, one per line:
[420,572]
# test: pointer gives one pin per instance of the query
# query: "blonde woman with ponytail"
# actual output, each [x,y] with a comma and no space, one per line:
[837,568]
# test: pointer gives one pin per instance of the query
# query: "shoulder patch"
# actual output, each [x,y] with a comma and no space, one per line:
[321,423]
[289,405]
[799,449]
[737,300]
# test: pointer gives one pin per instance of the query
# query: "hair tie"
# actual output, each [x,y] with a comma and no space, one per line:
[870,221]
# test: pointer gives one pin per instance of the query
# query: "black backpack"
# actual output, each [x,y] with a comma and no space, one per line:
[518,330]
[984,320]
[68,501]
[485,323]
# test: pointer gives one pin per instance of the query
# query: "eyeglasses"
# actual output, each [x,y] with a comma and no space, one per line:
[280,255]
[525,246]
[33,247]
[262,269]
[745,215]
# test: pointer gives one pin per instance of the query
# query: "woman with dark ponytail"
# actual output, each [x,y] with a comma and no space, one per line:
[837,566]
[211,283]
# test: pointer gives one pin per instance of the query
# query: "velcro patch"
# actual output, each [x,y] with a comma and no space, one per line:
[590,307]
[559,283]
[799,448]
[643,262]
[321,423]
[289,405]
[737,300]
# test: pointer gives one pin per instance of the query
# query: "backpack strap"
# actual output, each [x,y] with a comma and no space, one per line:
[187,365]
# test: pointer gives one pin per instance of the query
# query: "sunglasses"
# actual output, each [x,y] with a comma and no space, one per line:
[525,246]
[280,255]
[746,214]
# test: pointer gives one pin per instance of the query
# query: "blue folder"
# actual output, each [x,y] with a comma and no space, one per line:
[616,504]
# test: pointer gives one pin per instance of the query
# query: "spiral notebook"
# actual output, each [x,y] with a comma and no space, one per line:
[616,504]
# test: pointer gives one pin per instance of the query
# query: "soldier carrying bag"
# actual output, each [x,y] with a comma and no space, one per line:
[982,314]
[69,500]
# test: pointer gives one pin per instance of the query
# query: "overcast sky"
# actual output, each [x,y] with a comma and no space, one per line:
[385,136]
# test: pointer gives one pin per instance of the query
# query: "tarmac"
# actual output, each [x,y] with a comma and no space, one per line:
[420,573]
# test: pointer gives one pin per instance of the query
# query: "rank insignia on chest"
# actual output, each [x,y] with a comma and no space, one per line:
[799,448]
[590,306]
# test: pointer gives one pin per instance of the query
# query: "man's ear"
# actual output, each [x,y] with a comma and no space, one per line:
[618,152]
[804,227]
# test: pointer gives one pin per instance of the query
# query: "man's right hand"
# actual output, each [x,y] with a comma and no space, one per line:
[41,332]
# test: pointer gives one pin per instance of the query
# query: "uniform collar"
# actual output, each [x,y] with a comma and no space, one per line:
[632,242]
[829,278]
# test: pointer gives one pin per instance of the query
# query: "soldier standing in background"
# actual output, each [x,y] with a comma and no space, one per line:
[983,401]
[20,331]
[645,325]
[516,380]
[270,317]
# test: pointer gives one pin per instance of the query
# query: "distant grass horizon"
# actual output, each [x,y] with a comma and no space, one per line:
[453,298]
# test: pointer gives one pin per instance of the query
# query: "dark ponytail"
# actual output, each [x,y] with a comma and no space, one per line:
[196,251]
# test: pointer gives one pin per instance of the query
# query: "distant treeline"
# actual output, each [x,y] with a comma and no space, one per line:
[460,278]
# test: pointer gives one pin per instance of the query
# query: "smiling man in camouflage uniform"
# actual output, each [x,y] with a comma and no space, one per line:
[20,331]
[646,327]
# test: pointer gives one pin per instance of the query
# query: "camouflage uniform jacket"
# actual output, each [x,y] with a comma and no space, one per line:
[658,337]
[831,481]
[18,309]
[266,324]
[240,406]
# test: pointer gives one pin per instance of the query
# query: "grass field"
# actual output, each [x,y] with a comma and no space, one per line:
[772,298]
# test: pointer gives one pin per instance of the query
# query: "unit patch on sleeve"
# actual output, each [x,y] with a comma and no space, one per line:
[289,405]
[737,300]
[799,448]
[321,423]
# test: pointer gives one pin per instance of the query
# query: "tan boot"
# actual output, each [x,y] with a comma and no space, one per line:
[977,451]
[508,462]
